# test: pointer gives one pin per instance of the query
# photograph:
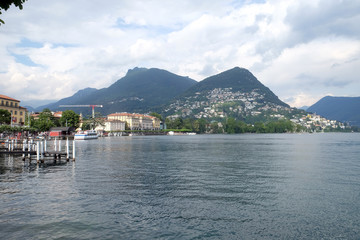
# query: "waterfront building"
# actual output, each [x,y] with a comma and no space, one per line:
[12,105]
[136,121]
[114,125]
[132,121]
[155,122]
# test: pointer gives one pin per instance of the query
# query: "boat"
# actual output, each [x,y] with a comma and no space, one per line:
[86,135]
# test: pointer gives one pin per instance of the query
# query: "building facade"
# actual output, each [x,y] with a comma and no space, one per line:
[114,125]
[18,113]
[136,121]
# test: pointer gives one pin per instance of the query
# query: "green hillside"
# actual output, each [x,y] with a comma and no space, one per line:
[138,91]
[239,80]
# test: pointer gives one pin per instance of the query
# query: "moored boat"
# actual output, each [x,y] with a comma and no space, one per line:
[86,135]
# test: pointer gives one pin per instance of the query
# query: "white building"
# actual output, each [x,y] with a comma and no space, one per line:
[114,125]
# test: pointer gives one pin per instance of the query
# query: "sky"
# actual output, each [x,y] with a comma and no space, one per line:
[302,50]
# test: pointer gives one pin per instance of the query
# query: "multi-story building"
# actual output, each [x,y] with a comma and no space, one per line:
[136,121]
[18,113]
[114,125]
[132,121]
[145,123]
[155,122]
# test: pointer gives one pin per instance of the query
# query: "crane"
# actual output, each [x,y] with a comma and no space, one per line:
[92,106]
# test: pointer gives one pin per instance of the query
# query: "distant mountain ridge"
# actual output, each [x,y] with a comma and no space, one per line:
[232,93]
[69,100]
[344,109]
[138,91]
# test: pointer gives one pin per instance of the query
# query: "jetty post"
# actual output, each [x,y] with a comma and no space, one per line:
[55,144]
[59,145]
[30,143]
[37,152]
[24,149]
[42,151]
[73,150]
[67,149]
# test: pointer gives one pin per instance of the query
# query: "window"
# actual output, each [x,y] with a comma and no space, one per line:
[2,102]
[7,103]
[21,120]
[16,105]
[15,112]
[21,113]
[11,104]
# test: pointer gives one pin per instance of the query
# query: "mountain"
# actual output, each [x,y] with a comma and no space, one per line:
[344,109]
[69,100]
[233,93]
[139,91]
[304,107]
[31,105]
[239,80]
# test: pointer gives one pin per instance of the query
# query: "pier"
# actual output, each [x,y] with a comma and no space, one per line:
[40,149]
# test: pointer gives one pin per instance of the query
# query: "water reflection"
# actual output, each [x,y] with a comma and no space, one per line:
[12,164]
[206,187]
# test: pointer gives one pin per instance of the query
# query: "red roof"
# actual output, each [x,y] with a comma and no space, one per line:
[58,114]
[128,114]
[120,114]
[8,98]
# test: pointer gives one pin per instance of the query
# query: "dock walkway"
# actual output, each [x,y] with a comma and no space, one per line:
[40,148]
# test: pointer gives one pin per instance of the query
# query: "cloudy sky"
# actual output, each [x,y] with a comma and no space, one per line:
[302,50]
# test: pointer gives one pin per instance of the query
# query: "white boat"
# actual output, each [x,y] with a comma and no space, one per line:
[86,135]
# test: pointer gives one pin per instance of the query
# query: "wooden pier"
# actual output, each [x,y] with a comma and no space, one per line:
[41,149]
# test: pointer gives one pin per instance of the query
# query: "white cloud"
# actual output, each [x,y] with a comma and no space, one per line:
[315,68]
[92,44]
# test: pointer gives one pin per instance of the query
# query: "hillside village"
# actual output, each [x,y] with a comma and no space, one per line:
[221,103]
[212,104]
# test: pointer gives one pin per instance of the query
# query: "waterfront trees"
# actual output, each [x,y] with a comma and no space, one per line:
[45,121]
[231,125]
[92,123]
[70,119]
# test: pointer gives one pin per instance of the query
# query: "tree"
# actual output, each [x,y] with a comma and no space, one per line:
[200,125]
[259,127]
[230,125]
[154,114]
[70,119]
[92,123]
[46,121]
[5,4]
[215,128]
[5,116]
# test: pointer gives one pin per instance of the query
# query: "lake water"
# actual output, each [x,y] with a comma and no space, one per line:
[250,186]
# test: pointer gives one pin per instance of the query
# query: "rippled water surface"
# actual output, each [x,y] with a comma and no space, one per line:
[251,186]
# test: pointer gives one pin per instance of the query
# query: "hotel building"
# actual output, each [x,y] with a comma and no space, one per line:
[12,105]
